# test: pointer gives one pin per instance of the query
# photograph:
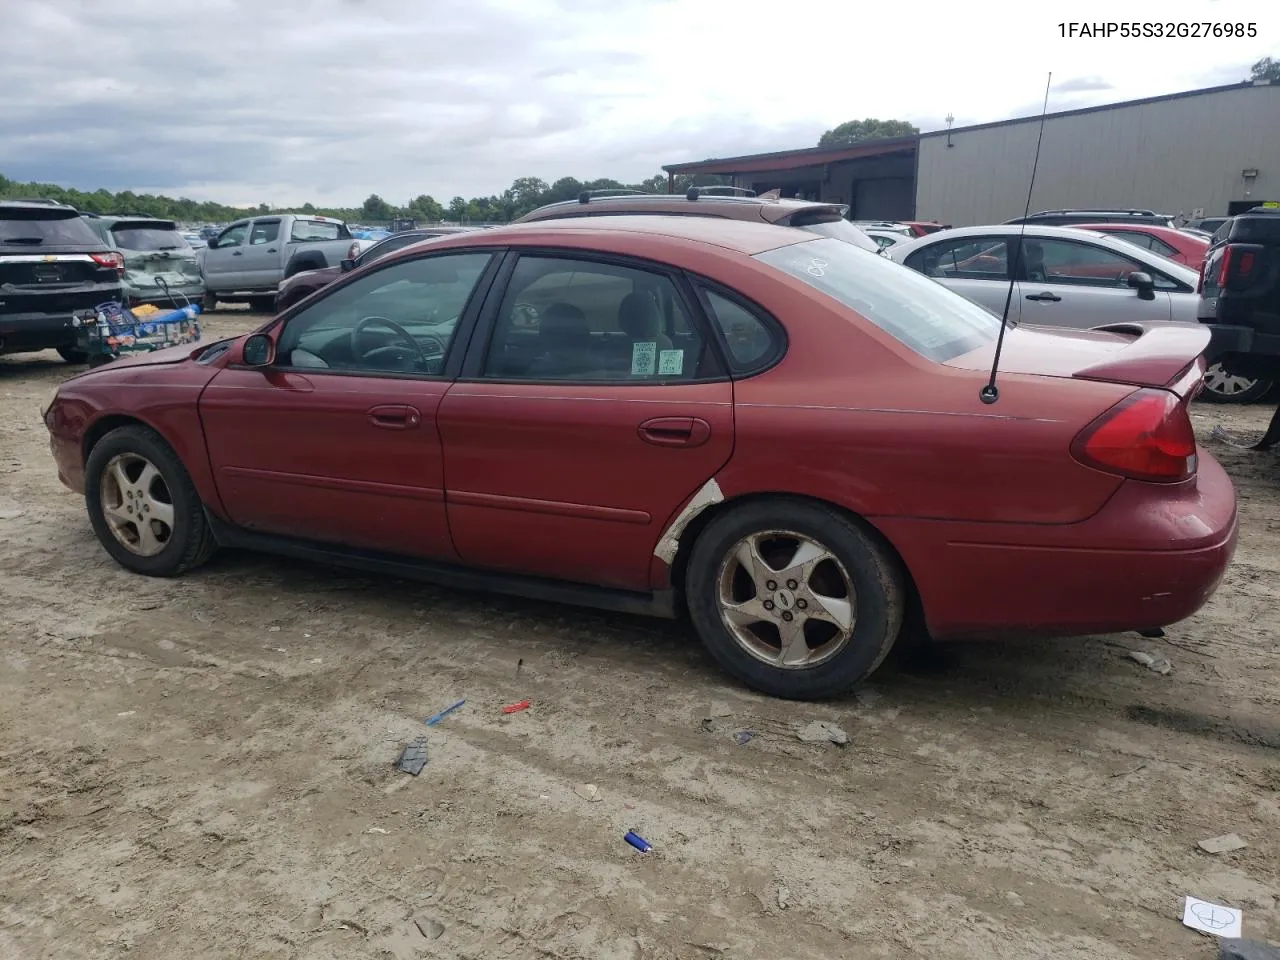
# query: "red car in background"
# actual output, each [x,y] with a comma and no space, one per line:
[777,435]
[1184,248]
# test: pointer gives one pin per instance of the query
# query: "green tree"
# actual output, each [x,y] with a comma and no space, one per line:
[308,208]
[426,207]
[377,209]
[1265,69]
[457,208]
[855,131]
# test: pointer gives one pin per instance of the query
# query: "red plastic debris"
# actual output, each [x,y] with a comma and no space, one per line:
[517,707]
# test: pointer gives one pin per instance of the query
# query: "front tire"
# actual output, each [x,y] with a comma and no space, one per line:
[262,304]
[143,506]
[1223,387]
[72,355]
[795,599]
[209,302]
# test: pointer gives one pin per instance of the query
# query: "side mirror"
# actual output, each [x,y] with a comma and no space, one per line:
[259,351]
[348,265]
[1143,283]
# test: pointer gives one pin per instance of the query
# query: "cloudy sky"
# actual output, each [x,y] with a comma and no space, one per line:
[284,101]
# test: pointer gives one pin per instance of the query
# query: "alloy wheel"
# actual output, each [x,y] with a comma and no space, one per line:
[137,504]
[1225,385]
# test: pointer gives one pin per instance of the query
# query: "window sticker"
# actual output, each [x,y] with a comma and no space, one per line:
[670,363]
[643,354]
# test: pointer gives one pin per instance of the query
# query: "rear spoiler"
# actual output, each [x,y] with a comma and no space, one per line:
[1160,355]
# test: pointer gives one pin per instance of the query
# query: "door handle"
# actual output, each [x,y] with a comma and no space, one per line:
[271,250]
[395,416]
[1045,297]
[237,254]
[675,431]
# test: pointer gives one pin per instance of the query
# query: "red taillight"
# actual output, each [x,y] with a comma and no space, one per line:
[1244,266]
[1224,267]
[1146,436]
[113,260]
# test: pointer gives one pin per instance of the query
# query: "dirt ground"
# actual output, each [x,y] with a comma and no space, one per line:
[203,767]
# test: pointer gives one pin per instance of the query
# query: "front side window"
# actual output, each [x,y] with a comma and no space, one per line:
[383,247]
[398,320]
[264,231]
[921,314]
[565,319]
[1080,264]
[971,258]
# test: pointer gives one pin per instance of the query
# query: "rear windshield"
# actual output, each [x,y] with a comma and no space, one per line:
[149,238]
[35,228]
[917,311]
[318,230]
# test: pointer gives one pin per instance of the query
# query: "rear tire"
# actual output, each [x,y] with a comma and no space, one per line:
[262,304]
[1222,387]
[818,614]
[72,355]
[209,302]
[143,506]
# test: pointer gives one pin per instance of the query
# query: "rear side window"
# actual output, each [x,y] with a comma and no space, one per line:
[264,231]
[315,230]
[35,228]
[751,341]
[921,314]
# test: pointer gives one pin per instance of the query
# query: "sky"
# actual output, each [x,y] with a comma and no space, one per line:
[287,101]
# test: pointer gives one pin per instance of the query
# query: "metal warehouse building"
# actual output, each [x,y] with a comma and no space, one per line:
[1210,152]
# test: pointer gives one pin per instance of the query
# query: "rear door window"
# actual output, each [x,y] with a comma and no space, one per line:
[264,231]
[967,258]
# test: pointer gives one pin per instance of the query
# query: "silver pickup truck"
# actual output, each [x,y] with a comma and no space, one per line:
[249,258]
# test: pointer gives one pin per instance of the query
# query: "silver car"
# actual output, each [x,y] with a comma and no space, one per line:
[1066,278]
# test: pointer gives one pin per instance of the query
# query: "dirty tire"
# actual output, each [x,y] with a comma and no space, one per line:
[191,542]
[872,572]
[262,304]
[305,261]
[209,302]
[1221,387]
[72,355]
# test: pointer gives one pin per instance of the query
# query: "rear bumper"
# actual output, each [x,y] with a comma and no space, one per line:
[24,332]
[1243,350]
[1151,557]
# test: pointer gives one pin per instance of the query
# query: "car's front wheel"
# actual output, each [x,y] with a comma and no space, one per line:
[143,506]
[72,355]
[1223,387]
[794,598]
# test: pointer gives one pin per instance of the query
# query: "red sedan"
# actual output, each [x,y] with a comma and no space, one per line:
[777,434]
[1184,248]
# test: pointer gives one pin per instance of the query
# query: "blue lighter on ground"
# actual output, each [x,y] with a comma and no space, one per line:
[433,720]
[637,841]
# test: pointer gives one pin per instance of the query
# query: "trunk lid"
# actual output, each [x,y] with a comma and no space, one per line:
[1154,354]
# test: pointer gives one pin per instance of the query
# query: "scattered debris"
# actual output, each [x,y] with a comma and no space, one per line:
[1212,918]
[1223,844]
[588,792]
[273,629]
[413,757]
[430,928]
[377,830]
[743,736]
[709,725]
[519,664]
[1234,949]
[316,660]
[517,707]
[127,713]
[784,898]
[1152,662]
[1013,898]
[436,718]
[637,841]
[820,731]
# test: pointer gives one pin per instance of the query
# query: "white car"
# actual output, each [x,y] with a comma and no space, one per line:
[885,238]
[1066,278]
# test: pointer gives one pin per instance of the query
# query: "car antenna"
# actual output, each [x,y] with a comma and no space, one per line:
[990,393]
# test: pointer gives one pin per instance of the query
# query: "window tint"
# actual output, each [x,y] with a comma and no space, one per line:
[963,258]
[751,343]
[1079,264]
[1162,248]
[231,237]
[135,237]
[1137,239]
[318,230]
[390,245]
[34,228]
[264,231]
[400,319]
[564,319]
[924,315]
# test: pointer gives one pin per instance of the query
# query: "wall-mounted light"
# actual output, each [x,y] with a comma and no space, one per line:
[950,121]
[1250,173]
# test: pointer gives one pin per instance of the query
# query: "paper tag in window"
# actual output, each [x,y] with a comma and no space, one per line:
[643,355]
[670,363]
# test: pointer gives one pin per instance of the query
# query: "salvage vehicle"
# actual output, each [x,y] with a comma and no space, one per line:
[1068,277]
[160,267]
[54,271]
[247,260]
[784,437]
[303,284]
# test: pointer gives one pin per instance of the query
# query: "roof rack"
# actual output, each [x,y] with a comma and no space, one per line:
[42,201]
[586,196]
[694,192]
[1140,213]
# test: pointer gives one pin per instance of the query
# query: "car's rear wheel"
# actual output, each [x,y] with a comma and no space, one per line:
[208,303]
[1223,387]
[794,598]
[72,355]
[143,506]
[262,304]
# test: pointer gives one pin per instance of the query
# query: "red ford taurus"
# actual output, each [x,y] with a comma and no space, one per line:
[777,434]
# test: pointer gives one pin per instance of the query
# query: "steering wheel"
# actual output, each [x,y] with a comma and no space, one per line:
[395,328]
[523,314]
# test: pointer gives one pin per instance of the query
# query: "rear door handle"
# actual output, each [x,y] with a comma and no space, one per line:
[237,254]
[1045,297]
[395,416]
[675,431]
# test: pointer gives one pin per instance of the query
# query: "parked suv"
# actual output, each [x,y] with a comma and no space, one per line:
[1069,218]
[733,203]
[53,271]
[1240,295]
[160,267]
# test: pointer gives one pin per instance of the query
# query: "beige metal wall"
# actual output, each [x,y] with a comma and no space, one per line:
[1172,156]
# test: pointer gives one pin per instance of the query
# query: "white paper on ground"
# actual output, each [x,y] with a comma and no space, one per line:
[1212,918]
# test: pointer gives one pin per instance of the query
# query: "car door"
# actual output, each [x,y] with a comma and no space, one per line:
[976,267]
[1074,283]
[337,439]
[591,406]
[262,259]
[224,256]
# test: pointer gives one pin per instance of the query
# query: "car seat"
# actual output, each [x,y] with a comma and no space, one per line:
[564,344]
[640,322]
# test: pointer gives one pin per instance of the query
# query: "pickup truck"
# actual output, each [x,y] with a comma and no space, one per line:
[248,259]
